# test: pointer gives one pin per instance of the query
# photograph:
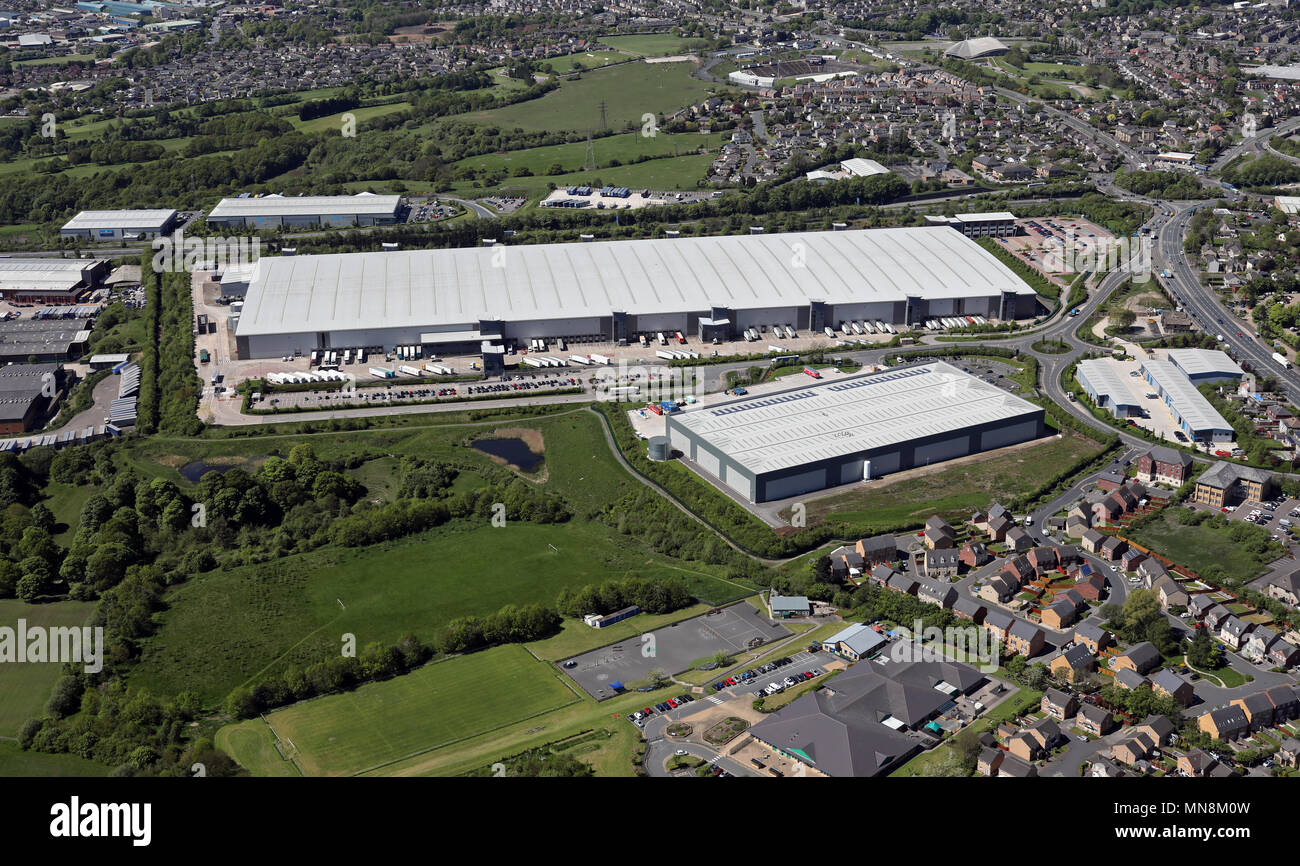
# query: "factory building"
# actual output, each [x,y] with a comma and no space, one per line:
[707,287]
[991,224]
[113,225]
[1102,382]
[852,429]
[278,211]
[49,280]
[27,393]
[1202,366]
[1194,414]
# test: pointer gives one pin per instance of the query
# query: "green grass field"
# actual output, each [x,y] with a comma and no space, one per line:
[1199,547]
[955,489]
[425,710]
[24,688]
[227,627]
[14,763]
[585,60]
[629,90]
[334,122]
[623,147]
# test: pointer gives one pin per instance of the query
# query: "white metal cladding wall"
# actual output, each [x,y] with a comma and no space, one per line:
[998,437]
[527,329]
[766,316]
[708,461]
[813,479]
[278,345]
[662,322]
[857,312]
[740,482]
[385,337]
[957,446]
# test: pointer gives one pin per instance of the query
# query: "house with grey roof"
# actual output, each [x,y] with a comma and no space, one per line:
[1232,630]
[942,563]
[1216,614]
[902,583]
[968,608]
[1141,657]
[1095,720]
[1127,678]
[1171,685]
[935,592]
[1257,644]
[1285,588]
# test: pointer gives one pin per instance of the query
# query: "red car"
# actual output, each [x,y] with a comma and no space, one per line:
[1222,454]
[647,711]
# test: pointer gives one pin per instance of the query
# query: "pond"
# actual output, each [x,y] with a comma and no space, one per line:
[514,451]
[194,471]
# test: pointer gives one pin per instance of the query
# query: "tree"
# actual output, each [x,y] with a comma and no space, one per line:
[1203,653]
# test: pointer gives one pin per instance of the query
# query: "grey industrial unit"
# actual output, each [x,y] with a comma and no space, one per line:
[110,225]
[277,211]
[821,435]
[706,287]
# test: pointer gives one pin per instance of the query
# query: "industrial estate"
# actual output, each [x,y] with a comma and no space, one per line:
[656,390]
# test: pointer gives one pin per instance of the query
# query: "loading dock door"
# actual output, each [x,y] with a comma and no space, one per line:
[814,479]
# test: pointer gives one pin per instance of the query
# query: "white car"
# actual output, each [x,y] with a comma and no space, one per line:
[681,752]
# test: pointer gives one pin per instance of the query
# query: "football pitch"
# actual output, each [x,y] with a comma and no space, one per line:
[433,707]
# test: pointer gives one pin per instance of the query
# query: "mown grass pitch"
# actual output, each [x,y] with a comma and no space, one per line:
[425,710]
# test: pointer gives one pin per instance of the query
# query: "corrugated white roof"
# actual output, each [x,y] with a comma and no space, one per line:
[1201,361]
[458,287]
[849,415]
[120,219]
[306,205]
[1104,379]
[1188,402]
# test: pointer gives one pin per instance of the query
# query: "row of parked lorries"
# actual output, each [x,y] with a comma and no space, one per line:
[863,327]
[954,322]
[753,335]
[662,338]
[331,358]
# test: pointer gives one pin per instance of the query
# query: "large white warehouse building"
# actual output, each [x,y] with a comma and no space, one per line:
[709,287]
[847,430]
[278,211]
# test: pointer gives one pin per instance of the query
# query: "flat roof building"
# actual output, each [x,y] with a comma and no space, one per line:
[1107,390]
[993,224]
[43,339]
[1206,365]
[49,280]
[109,225]
[27,391]
[278,211]
[1194,414]
[846,430]
[613,291]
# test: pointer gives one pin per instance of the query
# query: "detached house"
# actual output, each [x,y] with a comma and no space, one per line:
[1025,639]
[1095,720]
[1072,663]
[1166,682]
[1059,705]
[1093,636]
[1140,657]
